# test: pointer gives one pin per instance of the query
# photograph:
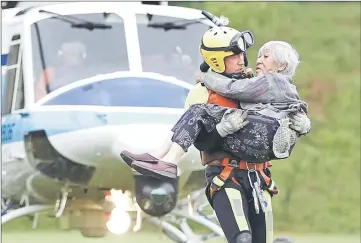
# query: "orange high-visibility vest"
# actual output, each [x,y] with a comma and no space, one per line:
[218,99]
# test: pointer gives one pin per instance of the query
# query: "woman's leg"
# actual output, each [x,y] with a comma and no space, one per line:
[151,157]
[174,154]
[164,149]
[169,152]
[186,131]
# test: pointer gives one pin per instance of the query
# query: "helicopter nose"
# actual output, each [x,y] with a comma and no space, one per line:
[101,146]
[140,138]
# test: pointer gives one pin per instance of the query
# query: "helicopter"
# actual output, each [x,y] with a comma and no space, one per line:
[82,81]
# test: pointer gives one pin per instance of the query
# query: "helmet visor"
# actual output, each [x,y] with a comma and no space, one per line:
[244,41]
[240,43]
[248,38]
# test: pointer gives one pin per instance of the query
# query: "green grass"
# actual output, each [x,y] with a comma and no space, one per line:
[19,231]
[75,236]
[37,236]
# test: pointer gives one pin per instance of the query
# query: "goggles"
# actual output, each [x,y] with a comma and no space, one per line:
[239,43]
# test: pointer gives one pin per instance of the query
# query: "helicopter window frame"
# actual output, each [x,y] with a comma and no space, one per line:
[20,90]
[12,75]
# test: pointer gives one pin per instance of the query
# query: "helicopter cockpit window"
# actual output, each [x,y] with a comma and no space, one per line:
[170,45]
[66,50]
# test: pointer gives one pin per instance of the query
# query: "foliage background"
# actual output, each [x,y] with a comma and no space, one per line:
[320,183]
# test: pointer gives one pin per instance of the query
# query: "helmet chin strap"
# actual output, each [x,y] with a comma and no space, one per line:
[245,59]
[234,75]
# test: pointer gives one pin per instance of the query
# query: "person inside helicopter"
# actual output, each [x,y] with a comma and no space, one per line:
[70,66]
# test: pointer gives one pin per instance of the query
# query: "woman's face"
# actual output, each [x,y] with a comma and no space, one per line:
[266,63]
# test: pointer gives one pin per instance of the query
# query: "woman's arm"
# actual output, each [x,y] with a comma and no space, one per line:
[267,88]
[240,89]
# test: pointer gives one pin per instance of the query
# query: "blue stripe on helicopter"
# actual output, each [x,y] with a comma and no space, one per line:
[4,58]
[14,127]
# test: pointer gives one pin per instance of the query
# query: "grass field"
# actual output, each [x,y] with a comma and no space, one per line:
[38,236]
[19,231]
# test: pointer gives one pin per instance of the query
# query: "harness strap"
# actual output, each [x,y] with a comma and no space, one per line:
[230,164]
[271,187]
[219,181]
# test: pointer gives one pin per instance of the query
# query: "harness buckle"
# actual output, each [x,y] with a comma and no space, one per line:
[214,188]
[216,184]
[233,163]
[251,169]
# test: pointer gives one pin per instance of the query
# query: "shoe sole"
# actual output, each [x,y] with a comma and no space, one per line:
[153,173]
[127,160]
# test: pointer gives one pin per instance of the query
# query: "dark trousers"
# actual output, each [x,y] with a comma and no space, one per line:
[234,207]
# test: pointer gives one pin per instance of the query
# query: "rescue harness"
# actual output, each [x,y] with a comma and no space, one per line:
[230,164]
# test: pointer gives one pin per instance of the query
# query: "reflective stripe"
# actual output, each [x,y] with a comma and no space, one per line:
[217,181]
[235,199]
[197,95]
[269,218]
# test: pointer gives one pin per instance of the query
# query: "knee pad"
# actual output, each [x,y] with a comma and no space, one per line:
[244,237]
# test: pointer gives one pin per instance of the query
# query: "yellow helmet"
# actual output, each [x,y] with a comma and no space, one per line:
[221,42]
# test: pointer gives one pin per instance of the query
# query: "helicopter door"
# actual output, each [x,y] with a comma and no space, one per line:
[13,93]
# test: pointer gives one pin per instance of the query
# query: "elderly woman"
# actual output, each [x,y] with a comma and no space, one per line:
[269,101]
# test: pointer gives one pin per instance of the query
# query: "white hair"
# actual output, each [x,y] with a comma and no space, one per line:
[283,54]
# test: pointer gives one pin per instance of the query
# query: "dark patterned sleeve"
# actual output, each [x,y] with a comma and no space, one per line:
[209,141]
